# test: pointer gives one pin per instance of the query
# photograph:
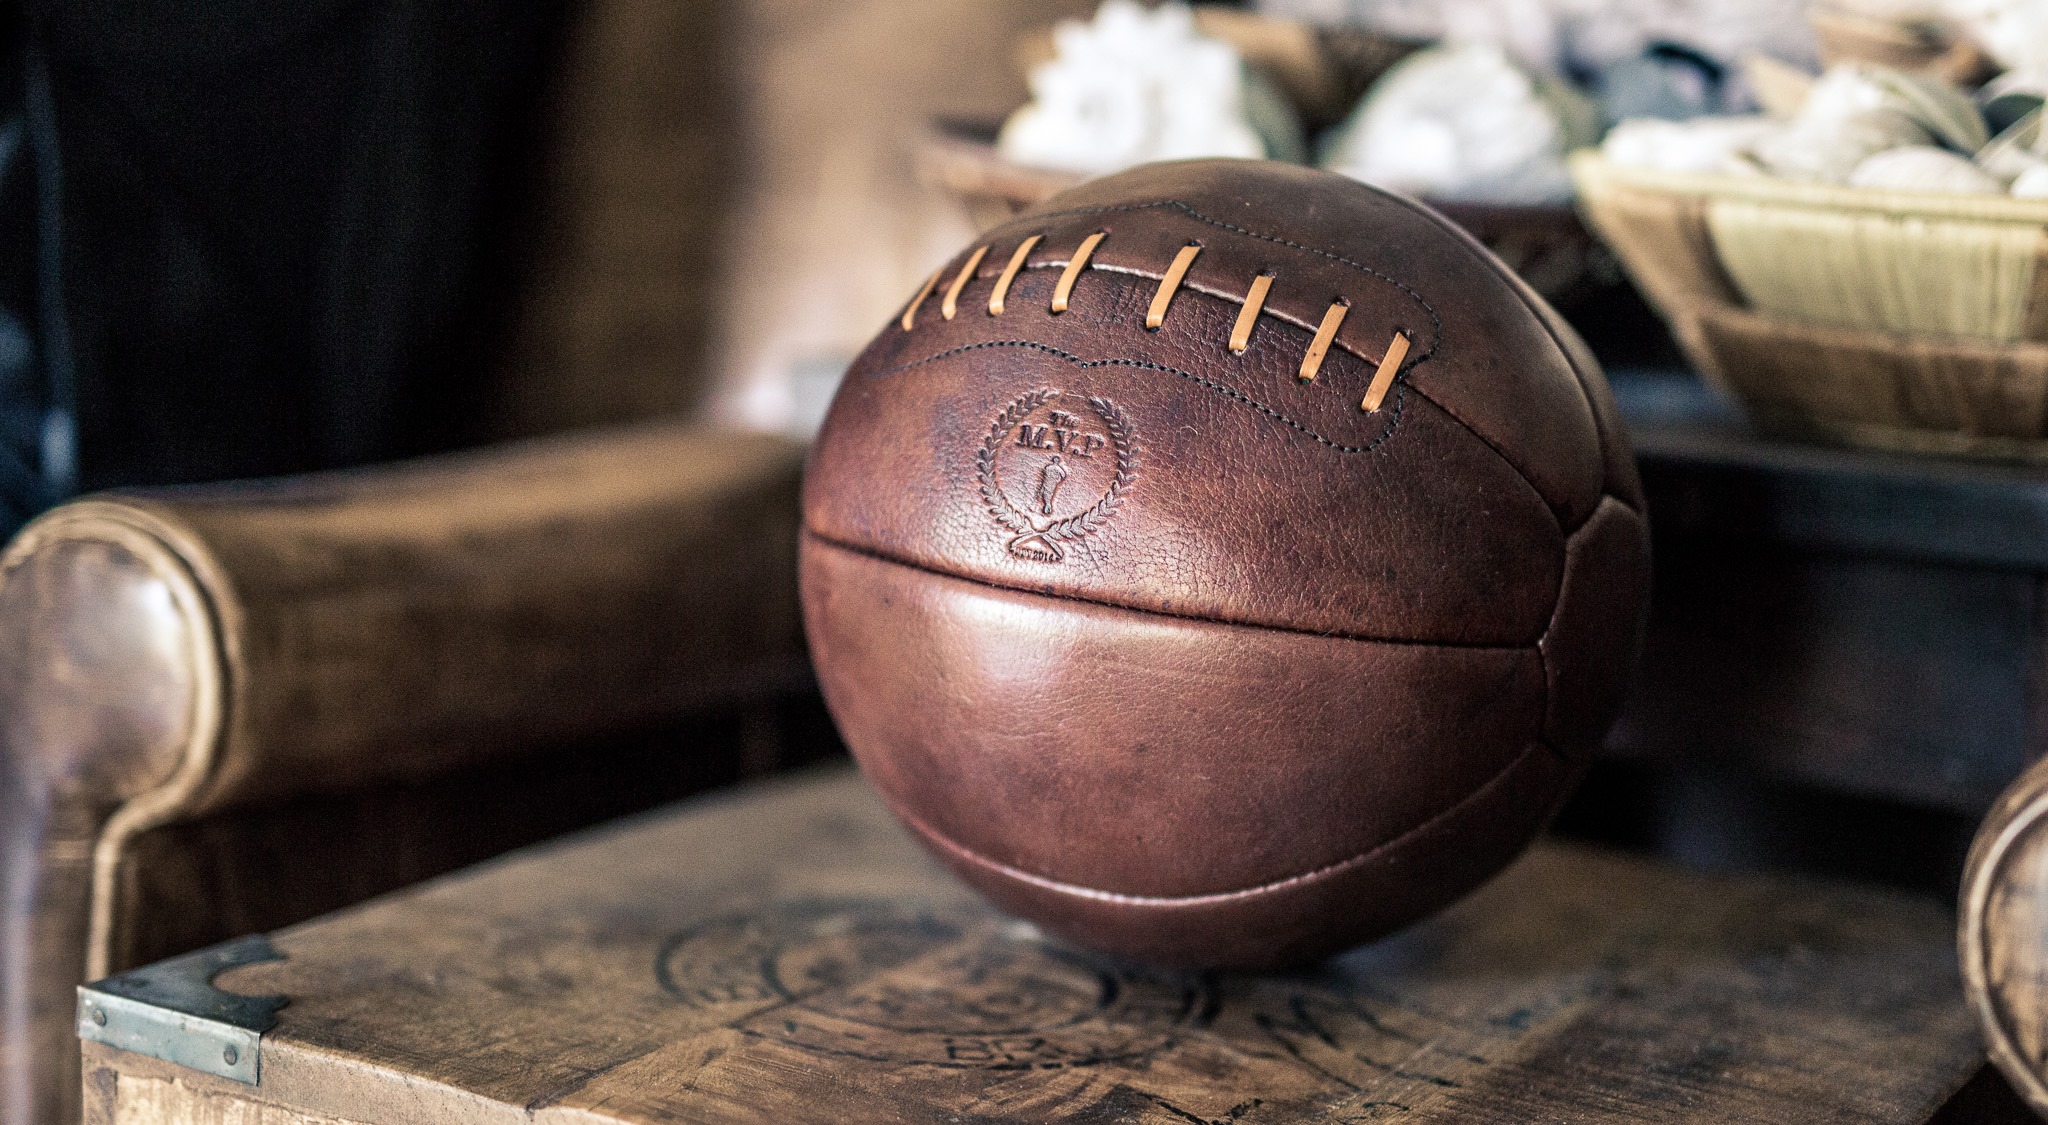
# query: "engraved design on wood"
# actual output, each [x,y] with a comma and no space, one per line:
[1042,451]
[853,979]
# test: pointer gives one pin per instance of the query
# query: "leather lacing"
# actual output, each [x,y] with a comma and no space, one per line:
[1162,301]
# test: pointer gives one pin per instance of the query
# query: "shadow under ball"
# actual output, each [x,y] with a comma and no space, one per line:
[1224,564]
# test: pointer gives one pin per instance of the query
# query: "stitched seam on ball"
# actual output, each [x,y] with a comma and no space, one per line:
[1393,423]
[1515,284]
[1332,635]
[1241,893]
[1585,396]
[1564,575]
[1542,502]
[1307,326]
[1496,451]
[1557,607]
[1436,323]
[1189,285]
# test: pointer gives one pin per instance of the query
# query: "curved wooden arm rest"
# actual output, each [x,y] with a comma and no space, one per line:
[166,654]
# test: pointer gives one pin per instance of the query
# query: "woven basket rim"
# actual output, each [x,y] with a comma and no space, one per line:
[1592,170]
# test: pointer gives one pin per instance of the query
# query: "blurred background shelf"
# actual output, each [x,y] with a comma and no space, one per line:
[1847,652]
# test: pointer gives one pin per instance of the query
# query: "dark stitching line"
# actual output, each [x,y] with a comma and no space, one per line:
[1041,592]
[1436,323]
[1400,398]
[1543,667]
[1170,902]
[1542,501]
[1564,578]
[1504,458]
[1578,378]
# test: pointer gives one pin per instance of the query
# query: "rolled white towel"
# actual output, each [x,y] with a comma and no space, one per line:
[1924,168]
[1855,111]
[1463,122]
[1828,150]
[1135,86]
[2032,183]
[1699,144]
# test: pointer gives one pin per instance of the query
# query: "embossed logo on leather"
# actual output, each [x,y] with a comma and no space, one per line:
[1055,468]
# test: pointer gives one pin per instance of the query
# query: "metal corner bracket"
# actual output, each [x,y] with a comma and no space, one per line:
[172,1011]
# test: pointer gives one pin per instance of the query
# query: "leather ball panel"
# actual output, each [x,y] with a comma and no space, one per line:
[1135,753]
[1304,919]
[1255,498]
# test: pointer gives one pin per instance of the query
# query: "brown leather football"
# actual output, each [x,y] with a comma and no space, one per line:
[1224,563]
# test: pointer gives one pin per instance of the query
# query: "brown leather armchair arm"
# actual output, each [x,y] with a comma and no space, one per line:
[225,708]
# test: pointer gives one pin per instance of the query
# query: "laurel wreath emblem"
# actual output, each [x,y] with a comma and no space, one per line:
[1032,541]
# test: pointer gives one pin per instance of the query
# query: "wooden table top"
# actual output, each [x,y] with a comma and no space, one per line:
[785,953]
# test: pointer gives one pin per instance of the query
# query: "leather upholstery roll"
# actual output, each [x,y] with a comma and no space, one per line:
[227,707]
[1224,563]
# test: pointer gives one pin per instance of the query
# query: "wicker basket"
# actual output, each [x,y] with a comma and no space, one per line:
[1893,320]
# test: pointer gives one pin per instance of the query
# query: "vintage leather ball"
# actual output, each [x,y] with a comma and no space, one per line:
[1181,653]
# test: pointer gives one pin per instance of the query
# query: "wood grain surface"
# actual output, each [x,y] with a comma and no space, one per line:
[785,954]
